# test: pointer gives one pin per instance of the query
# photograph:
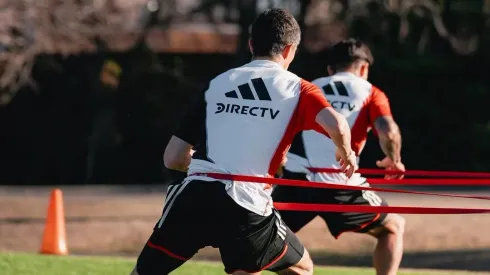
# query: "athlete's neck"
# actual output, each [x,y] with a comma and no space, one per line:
[350,70]
[278,59]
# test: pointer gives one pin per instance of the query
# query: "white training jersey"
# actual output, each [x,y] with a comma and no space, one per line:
[361,103]
[244,125]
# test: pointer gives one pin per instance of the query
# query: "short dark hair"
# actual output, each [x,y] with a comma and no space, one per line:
[272,31]
[348,52]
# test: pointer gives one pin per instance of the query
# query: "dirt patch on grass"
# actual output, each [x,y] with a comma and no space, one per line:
[118,220]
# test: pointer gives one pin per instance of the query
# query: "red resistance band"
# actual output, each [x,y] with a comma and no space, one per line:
[419,173]
[351,208]
[375,209]
[416,181]
[313,184]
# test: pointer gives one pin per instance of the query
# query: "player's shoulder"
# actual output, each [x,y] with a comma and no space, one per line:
[279,74]
[353,80]
[224,76]
[376,90]
[289,75]
[365,84]
[322,81]
[307,86]
[265,72]
[344,78]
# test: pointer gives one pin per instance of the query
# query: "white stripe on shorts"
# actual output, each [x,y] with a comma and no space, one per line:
[171,190]
[281,228]
[170,202]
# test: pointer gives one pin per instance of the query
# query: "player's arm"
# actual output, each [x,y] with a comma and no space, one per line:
[337,128]
[179,151]
[319,115]
[280,170]
[390,138]
[178,154]
[388,132]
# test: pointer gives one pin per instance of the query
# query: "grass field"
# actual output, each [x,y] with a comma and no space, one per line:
[34,264]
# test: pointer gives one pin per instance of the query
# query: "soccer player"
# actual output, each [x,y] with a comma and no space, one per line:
[243,124]
[364,107]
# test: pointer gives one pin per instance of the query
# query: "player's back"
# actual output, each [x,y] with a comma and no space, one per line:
[250,118]
[248,110]
[351,96]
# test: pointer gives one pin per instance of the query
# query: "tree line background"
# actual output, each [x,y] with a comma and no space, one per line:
[92,90]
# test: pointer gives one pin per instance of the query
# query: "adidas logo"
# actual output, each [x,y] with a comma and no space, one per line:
[246,93]
[341,91]
[339,86]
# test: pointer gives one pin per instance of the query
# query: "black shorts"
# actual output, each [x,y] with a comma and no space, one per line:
[199,214]
[337,222]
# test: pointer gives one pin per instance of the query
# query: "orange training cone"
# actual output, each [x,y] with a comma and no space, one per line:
[54,238]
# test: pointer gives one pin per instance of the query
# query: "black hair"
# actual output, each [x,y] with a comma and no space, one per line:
[272,31]
[348,52]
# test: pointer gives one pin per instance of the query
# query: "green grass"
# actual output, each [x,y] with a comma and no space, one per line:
[34,264]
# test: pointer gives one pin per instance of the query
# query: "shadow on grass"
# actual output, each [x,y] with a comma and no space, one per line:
[468,260]
[473,260]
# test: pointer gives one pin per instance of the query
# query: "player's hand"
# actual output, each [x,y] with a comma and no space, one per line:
[347,161]
[389,165]
[284,160]
[280,170]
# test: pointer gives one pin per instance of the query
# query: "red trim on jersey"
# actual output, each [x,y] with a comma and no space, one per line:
[360,129]
[285,249]
[375,105]
[311,102]
[284,144]
[166,251]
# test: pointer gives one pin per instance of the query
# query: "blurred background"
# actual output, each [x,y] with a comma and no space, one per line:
[92,90]
[111,78]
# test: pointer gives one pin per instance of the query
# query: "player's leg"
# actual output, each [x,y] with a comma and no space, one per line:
[254,243]
[303,266]
[388,229]
[156,261]
[295,220]
[389,248]
[173,240]
[295,259]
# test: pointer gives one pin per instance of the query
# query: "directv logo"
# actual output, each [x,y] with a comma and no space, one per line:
[247,94]
[246,110]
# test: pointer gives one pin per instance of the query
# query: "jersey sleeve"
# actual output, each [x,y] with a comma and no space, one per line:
[311,102]
[194,121]
[379,105]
